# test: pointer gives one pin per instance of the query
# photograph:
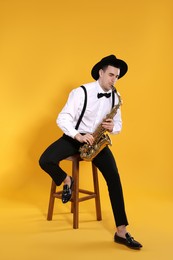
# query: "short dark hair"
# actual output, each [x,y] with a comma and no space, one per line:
[113,65]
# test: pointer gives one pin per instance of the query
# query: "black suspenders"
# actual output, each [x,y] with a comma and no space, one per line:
[84,106]
[83,109]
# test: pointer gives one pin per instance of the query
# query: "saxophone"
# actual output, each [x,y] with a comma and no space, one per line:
[88,152]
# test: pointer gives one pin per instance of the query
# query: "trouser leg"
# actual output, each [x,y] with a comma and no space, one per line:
[59,150]
[107,165]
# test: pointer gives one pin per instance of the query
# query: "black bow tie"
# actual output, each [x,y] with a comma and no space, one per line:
[99,95]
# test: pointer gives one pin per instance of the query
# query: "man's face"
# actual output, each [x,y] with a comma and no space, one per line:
[108,77]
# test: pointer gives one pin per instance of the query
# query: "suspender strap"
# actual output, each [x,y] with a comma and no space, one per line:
[84,106]
[83,109]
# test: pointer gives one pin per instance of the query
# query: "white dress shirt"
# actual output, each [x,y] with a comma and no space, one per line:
[96,111]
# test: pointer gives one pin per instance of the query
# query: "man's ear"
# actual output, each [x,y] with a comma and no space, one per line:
[100,72]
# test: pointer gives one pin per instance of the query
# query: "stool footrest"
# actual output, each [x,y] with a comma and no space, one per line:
[86,191]
[91,195]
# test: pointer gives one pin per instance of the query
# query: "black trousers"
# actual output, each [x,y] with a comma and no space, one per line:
[104,161]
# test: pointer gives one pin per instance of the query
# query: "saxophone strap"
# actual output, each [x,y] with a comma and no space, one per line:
[113,98]
[85,104]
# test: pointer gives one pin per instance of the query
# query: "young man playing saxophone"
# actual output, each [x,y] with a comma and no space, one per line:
[99,98]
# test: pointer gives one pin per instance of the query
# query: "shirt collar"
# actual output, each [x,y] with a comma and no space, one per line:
[100,90]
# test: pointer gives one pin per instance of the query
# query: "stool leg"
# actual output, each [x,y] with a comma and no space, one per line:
[75,201]
[51,201]
[96,190]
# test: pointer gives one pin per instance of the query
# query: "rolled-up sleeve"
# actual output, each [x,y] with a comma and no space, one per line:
[117,118]
[117,123]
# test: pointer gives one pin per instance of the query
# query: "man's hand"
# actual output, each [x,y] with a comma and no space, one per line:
[87,138]
[108,124]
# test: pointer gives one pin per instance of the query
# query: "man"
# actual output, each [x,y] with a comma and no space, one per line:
[85,110]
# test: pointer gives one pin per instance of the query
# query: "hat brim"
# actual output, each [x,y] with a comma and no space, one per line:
[110,60]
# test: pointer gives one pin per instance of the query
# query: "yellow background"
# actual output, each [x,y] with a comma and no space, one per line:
[47,48]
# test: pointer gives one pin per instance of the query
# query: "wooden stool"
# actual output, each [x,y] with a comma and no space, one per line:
[75,159]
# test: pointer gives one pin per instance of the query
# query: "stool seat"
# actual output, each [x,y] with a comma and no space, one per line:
[76,199]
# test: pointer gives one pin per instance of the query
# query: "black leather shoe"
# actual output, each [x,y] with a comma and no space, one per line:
[67,191]
[128,241]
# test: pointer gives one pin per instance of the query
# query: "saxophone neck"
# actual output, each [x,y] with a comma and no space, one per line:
[114,90]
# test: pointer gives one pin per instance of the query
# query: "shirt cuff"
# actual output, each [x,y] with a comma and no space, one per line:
[115,130]
[73,133]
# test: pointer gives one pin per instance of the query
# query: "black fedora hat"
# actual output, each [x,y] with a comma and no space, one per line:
[109,60]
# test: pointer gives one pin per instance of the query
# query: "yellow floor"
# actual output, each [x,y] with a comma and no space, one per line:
[26,234]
